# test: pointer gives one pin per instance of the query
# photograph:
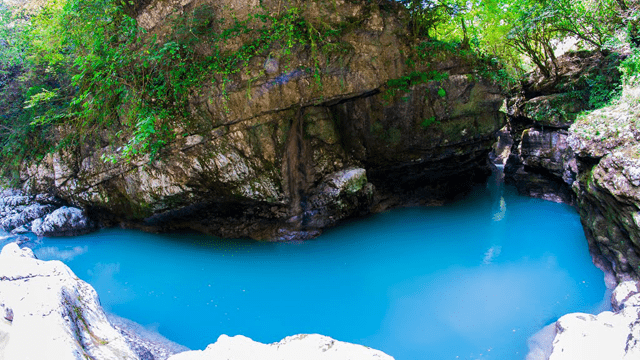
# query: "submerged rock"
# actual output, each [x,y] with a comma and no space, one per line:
[308,347]
[46,312]
[148,345]
[65,221]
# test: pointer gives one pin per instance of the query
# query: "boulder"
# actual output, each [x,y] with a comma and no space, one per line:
[607,336]
[26,216]
[46,312]
[65,221]
[627,293]
[308,347]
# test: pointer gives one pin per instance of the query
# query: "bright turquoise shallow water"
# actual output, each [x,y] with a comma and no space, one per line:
[471,280]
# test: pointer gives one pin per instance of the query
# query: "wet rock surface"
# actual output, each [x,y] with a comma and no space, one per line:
[606,145]
[146,344]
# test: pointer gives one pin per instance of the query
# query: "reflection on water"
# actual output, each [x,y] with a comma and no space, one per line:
[471,280]
[52,252]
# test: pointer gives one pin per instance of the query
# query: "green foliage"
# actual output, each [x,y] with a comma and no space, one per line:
[90,68]
[630,67]
[602,91]
[521,33]
[428,122]
[405,83]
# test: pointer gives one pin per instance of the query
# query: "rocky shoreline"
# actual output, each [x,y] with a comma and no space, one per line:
[46,312]
[43,302]
[41,214]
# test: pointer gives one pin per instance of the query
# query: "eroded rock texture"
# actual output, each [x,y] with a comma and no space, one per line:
[43,215]
[541,163]
[607,148]
[282,157]
[46,312]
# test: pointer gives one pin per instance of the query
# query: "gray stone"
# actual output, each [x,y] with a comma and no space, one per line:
[65,221]
[25,216]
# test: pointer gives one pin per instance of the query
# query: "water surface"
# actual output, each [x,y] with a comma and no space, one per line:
[471,280]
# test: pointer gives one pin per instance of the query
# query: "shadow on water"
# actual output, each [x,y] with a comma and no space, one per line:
[470,280]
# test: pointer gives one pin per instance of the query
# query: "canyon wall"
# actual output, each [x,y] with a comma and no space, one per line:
[282,152]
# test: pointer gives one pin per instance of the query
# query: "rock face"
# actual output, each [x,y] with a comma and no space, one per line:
[48,313]
[281,157]
[541,163]
[608,335]
[607,147]
[311,347]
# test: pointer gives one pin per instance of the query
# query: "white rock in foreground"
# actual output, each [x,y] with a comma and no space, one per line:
[607,336]
[46,312]
[297,347]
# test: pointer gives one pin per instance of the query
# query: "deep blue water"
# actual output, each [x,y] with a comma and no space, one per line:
[471,280]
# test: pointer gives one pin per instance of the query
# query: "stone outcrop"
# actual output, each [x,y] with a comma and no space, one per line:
[541,163]
[269,157]
[308,347]
[608,335]
[40,214]
[607,148]
[46,312]
[65,221]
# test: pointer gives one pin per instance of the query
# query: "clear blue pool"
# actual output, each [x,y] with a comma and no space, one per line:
[471,280]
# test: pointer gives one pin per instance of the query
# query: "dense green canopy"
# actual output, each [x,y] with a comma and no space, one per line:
[87,63]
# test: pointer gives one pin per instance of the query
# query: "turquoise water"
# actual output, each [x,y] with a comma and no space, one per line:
[471,280]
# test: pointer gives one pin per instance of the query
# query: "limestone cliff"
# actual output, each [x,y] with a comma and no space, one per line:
[607,147]
[280,152]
